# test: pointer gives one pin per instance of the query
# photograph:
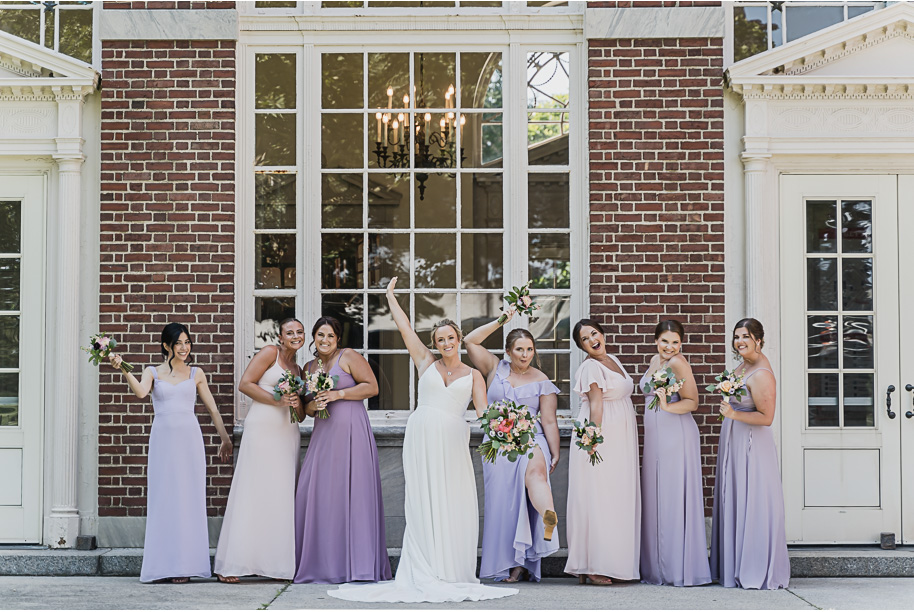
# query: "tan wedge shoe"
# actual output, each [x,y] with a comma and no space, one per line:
[550,520]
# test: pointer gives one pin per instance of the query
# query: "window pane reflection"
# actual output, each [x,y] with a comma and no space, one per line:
[387,71]
[274,201]
[435,260]
[548,82]
[857,227]
[483,140]
[823,400]
[392,372]
[268,313]
[857,283]
[803,20]
[821,227]
[821,284]
[550,261]
[347,309]
[341,200]
[481,200]
[557,366]
[341,261]
[547,139]
[477,309]
[750,31]
[9,399]
[341,80]
[274,263]
[858,400]
[274,80]
[435,80]
[822,341]
[439,207]
[480,80]
[10,226]
[858,342]
[388,200]
[548,200]
[431,308]
[341,140]
[382,331]
[274,139]
[550,325]
[388,256]
[481,261]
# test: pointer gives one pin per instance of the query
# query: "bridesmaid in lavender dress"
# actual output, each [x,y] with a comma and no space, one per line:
[520,519]
[673,543]
[339,513]
[604,500]
[177,540]
[748,542]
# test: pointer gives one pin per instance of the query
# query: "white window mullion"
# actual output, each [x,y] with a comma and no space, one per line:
[515,166]
[309,217]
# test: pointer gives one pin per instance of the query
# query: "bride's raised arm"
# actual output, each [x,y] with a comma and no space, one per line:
[420,354]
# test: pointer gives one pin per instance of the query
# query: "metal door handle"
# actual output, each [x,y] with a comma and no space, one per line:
[909,413]
[888,400]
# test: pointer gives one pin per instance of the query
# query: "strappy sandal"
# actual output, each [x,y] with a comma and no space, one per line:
[550,520]
[598,581]
[227,579]
[517,574]
[180,580]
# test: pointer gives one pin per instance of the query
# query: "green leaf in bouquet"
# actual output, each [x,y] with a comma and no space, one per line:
[112,343]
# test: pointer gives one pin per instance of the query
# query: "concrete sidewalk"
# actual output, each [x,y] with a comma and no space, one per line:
[92,592]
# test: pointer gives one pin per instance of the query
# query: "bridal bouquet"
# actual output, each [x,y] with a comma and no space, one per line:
[728,385]
[665,379]
[509,429]
[520,301]
[319,381]
[100,346]
[288,384]
[587,436]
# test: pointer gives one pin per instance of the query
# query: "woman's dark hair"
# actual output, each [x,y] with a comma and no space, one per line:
[670,325]
[171,333]
[288,320]
[516,334]
[576,332]
[755,329]
[334,325]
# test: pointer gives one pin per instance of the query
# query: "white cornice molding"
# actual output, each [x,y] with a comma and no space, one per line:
[812,52]
[826,88]
[45,90]
[391,23]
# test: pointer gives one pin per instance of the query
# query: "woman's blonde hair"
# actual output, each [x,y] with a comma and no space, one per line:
[445,323]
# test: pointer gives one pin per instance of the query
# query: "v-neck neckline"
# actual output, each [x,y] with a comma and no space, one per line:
[443,381]
[606,367]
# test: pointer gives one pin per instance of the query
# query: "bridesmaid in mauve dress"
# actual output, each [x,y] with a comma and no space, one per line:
[339,513]
[520,519]
[604,500]
[177,540]
[674,547]
[257,536]
[748,541]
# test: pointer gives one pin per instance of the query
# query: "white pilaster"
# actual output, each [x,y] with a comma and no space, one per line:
[61,526]
[755,168]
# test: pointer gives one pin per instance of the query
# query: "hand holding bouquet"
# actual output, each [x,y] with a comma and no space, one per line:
[665,381]
[728,385]
[587,436]
[319,381]
[100,347]
[289,384]
[509,430]
[519,301]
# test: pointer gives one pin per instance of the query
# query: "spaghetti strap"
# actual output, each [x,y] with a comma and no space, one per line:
[338,357]
[155,373]
[759,370]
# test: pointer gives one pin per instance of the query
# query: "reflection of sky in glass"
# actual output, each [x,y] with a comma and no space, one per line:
[547,80]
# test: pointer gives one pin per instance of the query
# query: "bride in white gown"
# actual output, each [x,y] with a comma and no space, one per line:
[438,558]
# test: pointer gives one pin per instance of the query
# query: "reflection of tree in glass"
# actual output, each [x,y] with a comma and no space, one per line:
[274,201]
[75,27]
[750,36]
[554,278]
[275,80]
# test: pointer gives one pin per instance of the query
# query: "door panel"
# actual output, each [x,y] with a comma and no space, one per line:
[839,316]
[21,356]
[905,404]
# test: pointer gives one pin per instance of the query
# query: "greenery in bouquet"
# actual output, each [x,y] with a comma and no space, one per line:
[508,429]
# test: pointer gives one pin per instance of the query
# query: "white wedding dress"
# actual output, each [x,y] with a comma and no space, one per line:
[438,559]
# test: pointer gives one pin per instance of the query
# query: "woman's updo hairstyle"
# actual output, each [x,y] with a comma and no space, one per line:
[171,333]
[334,324]
[755,329]
[576,332]
[516,334]
[445,323]
[670,325]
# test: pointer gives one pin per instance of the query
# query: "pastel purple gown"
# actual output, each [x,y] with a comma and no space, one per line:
[673,543]
[177,540]
[513,529]
[339,513]
[748,541]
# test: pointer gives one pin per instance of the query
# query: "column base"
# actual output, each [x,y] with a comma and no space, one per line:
[61,529]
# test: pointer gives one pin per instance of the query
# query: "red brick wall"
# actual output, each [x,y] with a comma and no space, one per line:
[656,204]
[166,241]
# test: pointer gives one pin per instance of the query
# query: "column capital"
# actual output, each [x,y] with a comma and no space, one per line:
[755,161]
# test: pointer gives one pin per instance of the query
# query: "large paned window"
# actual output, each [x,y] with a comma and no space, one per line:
[759,26]
[62,26]
[425,169]
[840,311]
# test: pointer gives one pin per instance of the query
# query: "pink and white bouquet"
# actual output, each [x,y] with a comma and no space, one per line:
[520,301]
[508,429]
[318,381]
[665,379]
[100,346]
[587,436]
[288,384]
[728,385]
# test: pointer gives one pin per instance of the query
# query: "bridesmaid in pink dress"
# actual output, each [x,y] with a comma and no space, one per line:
[604,500]
[177,540]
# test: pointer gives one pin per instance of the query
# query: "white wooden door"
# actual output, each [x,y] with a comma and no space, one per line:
[842,346]
[905,409]
[21,356]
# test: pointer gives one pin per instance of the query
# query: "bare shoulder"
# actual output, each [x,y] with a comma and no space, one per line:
[680,363]
[539,375]
[199,375]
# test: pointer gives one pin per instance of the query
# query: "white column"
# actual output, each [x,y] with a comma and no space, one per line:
[61,526]
[759,210]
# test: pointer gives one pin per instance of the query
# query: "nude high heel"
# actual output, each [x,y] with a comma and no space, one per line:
[550,520]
